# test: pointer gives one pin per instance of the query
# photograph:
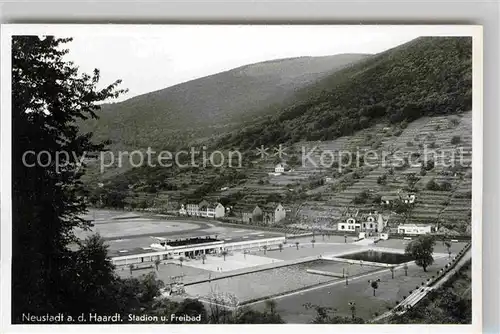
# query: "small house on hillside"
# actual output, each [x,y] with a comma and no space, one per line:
[408,198]
[279,168]
[356,222]
[404,197]
[389,199]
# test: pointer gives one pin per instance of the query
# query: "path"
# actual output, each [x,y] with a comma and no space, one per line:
[420,294]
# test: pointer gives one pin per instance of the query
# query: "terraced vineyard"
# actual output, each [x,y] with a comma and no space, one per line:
[452,163]
[444,140]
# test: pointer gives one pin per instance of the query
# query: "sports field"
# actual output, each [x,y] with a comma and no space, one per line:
[124,230]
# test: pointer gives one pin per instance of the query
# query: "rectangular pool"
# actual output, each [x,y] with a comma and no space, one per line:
[379,257]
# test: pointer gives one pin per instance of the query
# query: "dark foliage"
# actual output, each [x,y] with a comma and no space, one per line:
[421,249]
[48,97]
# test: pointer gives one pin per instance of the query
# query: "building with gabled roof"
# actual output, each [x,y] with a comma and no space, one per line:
[279,168]
[273,213]
[362,222]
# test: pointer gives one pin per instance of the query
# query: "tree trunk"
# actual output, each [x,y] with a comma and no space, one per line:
[373,292]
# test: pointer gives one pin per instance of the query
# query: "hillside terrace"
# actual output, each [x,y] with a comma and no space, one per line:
[328,200]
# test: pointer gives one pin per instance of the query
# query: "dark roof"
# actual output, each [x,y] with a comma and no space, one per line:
[271,206]
[213,205]
[244,207]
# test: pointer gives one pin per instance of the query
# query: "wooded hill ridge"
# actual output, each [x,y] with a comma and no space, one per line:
[426,76]
[210,106]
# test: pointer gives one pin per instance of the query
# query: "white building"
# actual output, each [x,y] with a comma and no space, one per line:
[408,198]
[194,209]
[414,229]
[350,225]
[372,222]
[279,168]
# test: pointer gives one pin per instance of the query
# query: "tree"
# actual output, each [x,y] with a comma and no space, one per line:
[297,245]
[271,305]
[293,161]
[280,246]
[421,250]
[432,185]
[48,98]
[190,307]
[448,247]
[327,315]
[352,307]
[94,272]
[362,197]
[374,285]
[246,315]
[455,140]
[157,263]
[411,180]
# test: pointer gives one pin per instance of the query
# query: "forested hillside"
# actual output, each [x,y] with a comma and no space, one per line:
[427,76]
[209,106]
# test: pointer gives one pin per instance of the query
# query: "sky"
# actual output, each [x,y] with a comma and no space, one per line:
[151,59]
